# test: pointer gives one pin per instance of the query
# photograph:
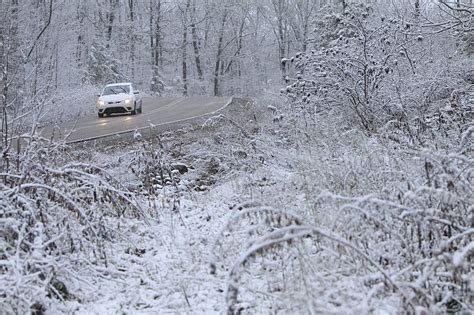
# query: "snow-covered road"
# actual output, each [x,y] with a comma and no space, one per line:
[157,111]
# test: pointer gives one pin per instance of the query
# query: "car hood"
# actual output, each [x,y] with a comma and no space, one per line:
[114,97]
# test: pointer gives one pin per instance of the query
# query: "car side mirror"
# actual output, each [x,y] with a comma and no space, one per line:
[136,92]
[98,95]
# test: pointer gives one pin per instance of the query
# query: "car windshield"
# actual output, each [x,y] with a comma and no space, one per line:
[116,89]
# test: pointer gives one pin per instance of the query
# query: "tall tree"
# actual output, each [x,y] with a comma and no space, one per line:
[156,45]
[131,34]
[10,62]
[110,17]
[184,46]
[220,41]
[280,28]
[195,41]
[301,20]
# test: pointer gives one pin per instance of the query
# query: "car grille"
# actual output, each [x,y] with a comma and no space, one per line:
[114,102]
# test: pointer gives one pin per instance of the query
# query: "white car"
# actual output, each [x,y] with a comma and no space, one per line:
[119,98]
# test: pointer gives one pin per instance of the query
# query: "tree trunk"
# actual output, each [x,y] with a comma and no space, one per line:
[239,36]
[110,17]
[130,6]
[305,11]
[80,43]
[155,45]
[184,63]
[4,69]
[195,40]
[219,53]
[131,33]
[281,37]
[184,15]
[280,10]
[9,63]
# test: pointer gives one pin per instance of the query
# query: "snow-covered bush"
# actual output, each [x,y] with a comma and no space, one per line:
[421,233]
[379,119]
[152,166]
[397,235]
[377,72]
[349,66]
[53,213]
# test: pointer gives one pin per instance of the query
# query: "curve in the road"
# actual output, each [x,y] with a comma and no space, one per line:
[157,111]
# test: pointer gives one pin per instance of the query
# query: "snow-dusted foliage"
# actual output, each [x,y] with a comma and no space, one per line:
[350,192]
[372,69]
[102,67]
[54,221]
[289,214]
[415,247]
[406,199]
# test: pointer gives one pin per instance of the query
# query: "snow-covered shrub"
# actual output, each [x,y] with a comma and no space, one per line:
[53,212]
[377,71]
[349,66]
[422,233]
[158,174]
[380,119]
[279,261]
[409,243]
[152,166]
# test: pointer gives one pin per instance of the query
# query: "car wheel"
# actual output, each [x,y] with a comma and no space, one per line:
[100,115]
[140,109]
[134,111]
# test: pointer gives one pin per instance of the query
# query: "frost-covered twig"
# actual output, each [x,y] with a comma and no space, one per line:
[277,238]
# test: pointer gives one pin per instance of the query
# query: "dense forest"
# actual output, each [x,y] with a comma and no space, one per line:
[341,179]
[205,47]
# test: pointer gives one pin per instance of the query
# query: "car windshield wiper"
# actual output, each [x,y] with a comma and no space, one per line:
[125,91]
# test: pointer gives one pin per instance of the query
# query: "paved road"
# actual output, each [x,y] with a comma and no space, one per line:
[156,111]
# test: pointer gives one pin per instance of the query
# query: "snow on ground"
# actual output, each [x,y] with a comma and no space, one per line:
[225,201]
[164,266]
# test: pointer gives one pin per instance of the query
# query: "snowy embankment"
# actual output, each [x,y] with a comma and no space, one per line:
[258,210]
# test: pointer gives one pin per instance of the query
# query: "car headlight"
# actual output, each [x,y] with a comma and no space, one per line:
[101,103]
[128,101]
